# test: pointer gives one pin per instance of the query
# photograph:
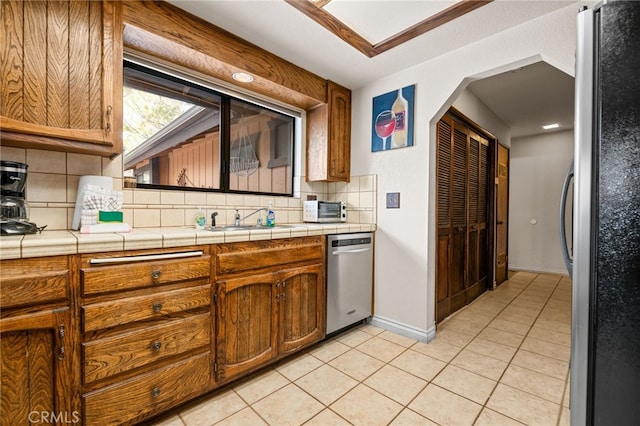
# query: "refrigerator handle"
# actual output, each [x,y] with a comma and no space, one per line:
[568,260]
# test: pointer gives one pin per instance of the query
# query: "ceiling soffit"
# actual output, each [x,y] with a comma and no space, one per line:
[315,9]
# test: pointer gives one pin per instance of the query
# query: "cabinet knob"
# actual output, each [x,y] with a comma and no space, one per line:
[157,307]
[155,392]
[277,297]
[156,346]
[155,274]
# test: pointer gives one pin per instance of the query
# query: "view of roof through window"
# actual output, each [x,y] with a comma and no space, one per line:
[146,114]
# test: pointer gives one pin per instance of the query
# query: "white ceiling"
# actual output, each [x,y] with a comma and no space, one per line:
[529,97]
[534,93]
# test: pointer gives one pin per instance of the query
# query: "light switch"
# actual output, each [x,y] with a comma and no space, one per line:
[393,200]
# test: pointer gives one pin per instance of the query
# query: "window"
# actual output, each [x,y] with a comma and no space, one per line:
[182,135]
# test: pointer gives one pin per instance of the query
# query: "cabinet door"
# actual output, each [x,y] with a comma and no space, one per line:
[339,100]
[302,307]
[246,321]
[61,68]
[36,371]
[329,137]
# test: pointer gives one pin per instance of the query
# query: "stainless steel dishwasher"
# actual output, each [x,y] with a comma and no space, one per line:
[349,279]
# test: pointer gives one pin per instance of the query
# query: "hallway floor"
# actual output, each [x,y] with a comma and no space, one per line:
[502,360]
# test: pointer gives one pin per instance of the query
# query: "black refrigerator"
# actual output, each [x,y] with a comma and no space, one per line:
[605,353]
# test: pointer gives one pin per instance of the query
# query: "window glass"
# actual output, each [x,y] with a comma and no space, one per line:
[261,154]
[178,134]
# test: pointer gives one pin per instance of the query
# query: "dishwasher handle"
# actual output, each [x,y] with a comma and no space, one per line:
[360,250]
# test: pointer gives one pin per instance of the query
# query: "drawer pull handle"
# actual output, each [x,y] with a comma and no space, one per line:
[155,274]
[146,258]
[155,392]
[157,307]
[156,346]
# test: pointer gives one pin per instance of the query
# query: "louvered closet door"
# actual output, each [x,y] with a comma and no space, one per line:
[458,284]
[477,246]
[443,167]
[462,163]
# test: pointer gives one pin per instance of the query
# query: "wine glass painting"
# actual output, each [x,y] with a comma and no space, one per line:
[385,125]
[392,120]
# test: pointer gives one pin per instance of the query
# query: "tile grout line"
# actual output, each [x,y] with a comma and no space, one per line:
[405,349]
[448,363]
[520,345]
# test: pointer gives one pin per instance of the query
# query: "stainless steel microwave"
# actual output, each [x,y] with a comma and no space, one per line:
[324,211]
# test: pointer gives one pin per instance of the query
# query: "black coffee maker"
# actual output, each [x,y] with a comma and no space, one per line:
[14,210]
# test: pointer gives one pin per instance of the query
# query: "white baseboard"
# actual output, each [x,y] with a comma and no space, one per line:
[404,329]
[537,270]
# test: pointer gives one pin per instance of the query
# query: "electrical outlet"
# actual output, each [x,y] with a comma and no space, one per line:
[393,200]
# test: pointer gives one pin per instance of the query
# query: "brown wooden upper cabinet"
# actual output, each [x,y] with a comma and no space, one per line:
[61,71]
[329,137]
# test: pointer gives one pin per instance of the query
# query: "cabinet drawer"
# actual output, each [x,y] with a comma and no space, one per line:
[103,279]
[248,256]
[148,394]
[113,355]
[33,281]
[137,308]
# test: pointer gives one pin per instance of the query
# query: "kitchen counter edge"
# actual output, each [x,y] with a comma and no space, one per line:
[63,242]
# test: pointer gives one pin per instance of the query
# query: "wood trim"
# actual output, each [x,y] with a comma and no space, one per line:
[91,135]
[335,26]
[166,32]
[51,143]
[314,11]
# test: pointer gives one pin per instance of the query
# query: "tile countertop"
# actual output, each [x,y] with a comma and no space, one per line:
[53,243]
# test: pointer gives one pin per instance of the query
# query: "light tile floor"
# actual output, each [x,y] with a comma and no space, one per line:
[502,360]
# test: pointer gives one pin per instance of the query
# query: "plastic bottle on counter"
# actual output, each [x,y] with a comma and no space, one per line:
[201,220]
[271,216]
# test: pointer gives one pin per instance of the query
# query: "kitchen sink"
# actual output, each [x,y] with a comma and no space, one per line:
[247,227]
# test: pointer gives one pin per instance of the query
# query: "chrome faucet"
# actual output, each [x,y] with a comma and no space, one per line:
[239,221]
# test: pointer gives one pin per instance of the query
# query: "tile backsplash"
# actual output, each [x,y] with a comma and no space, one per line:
[52,186]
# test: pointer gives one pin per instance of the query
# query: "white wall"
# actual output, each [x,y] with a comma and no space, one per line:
[405,240]
[479,113]
[538,165]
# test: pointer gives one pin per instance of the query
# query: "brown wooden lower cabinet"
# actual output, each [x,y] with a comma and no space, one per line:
[146,332]
[38,372]
[277,309]
[96,343]
[301,307]
[150,393]
[246,321]
[268,315]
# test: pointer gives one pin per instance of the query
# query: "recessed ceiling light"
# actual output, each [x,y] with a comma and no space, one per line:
[551,126]
[242,77]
